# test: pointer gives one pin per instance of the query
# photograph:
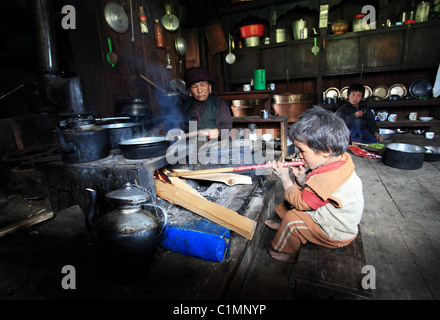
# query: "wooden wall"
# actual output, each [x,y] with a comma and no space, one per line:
[106,87]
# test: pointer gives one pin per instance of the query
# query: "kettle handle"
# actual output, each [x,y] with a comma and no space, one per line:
[165,215]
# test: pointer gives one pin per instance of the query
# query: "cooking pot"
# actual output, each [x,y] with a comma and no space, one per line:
[83,143]
[144,148]
[291,105]
[432,153]
[117,132]
[404,156]
[136,107]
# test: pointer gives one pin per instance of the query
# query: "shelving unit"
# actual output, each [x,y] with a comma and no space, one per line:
[383,56]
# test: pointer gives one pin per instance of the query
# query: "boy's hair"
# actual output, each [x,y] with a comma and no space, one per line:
[356,87]
[321,130]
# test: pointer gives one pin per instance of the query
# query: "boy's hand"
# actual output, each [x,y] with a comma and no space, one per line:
[358,114]
[300,174]
[280,171]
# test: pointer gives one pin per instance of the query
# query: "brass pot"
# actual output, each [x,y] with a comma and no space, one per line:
[245,111]
[291,104]
[291,97]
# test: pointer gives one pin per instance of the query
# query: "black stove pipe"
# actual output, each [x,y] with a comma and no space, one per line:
[53,89]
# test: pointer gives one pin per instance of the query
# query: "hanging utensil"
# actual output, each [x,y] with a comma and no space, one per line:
[169,21]
[315,48]
[181,48]
[230,57]
[168,66]
[152,83]
[116,17]
[112,57]
[132,25]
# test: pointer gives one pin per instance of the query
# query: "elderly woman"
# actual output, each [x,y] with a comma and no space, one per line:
[211,112]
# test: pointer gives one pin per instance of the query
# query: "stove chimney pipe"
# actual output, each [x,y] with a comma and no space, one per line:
[53,89]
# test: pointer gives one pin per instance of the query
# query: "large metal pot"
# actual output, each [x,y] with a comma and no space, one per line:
[135,108]
[291,105]
[117,132]
[144,148]
[83,144]
[404,156]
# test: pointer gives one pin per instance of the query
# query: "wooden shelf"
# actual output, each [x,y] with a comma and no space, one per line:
[408,123]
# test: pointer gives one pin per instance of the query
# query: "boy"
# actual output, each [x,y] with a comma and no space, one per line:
[358,117]
[326,203]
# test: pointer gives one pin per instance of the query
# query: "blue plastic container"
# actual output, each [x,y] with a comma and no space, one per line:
[200,238]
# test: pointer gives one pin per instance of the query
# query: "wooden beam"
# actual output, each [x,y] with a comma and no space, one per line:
[207,209]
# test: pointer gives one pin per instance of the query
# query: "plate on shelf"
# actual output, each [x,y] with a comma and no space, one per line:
[344,92]
[332,92]
[420,88]
[426,118]
[381,92]
[398,90]
[368,92]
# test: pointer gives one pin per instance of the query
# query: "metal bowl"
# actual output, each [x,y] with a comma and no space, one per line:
[386,133]
[432,153]
[144,148]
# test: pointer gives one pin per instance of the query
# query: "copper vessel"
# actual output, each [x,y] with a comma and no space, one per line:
[291,105]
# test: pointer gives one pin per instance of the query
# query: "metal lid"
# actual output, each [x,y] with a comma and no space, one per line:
[127,195]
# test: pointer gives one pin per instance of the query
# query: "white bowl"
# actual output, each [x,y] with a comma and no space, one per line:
[426,118]
[386,133]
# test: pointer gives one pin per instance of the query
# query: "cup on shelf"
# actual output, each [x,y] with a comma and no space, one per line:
[413,116]
[383,115]
[392,117]
[429,135]
[246,87]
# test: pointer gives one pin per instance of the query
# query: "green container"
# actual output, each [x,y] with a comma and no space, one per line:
[260,79]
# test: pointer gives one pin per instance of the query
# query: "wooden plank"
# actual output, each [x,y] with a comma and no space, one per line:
[25,223]
[212,211]
[327,273]
[403,189]
[422,241]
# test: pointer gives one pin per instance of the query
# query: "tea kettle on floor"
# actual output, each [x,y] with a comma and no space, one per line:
[129,233]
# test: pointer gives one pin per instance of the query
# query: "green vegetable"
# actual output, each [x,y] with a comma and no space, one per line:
[376,145]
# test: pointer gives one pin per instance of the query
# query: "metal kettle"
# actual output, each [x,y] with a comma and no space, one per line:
[129,233]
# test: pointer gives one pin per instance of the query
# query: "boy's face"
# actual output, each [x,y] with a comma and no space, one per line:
[355,97]
[312,159]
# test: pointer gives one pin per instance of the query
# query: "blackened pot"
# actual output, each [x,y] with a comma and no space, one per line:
[144,148]
[118,132]
[83,144]
[404,156]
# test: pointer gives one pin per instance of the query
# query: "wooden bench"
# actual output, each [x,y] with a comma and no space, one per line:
[325,273]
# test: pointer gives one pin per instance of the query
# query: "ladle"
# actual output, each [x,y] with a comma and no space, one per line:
[230,57]
[112,57]
[181,49]
[152,83]
[315,48]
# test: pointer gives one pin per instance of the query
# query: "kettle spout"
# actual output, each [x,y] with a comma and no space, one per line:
[91,213]
[65,147]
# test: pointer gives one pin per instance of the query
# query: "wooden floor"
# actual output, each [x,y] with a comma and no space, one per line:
[401,227]
[400,231]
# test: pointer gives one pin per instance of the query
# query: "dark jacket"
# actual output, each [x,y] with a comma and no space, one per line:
[347,111]
[214,113]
